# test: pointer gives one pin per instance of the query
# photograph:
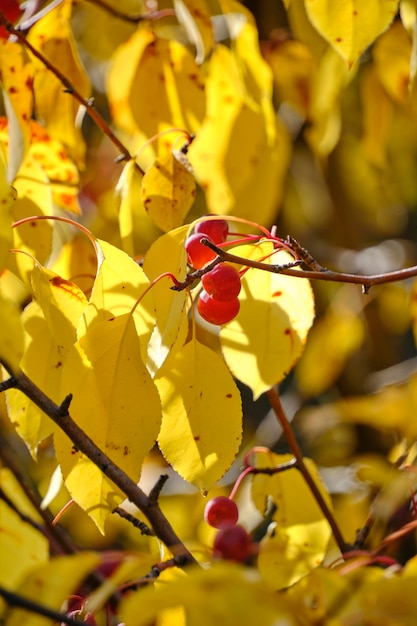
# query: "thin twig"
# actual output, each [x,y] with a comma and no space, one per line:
[137,523]
[16,600]
[134,18]
[155,492]
[324,274]
[69,88]
[160,524]
[276,405]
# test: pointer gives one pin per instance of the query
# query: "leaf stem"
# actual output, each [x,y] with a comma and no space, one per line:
[277,407]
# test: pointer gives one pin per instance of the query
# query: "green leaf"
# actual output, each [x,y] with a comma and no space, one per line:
[116,403]
[202,416]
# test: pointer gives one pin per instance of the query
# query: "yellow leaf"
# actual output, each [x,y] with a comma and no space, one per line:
[116,403]
[378,110]
[194,15]
[11,335]
[166,71]
[137,231]
[16,74]
[223,593]
[167,254]
[118,285]
[168,192]
[232,136]
[202,416]
[21,546]
[7,198]
[330,80]
[331,342]
[267,337]
[52,36]
[297,541]
[351,26]
[50,585]
[392,54]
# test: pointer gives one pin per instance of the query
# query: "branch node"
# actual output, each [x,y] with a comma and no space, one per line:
[155,492]
[64,406]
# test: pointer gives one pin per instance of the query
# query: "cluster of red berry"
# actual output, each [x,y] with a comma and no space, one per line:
[232,542]
[218,302]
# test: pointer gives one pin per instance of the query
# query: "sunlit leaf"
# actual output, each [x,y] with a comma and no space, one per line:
[11,335]
[7,198]
[230,141]
[116,403]
[52,36]
[298,540]
[195,18]
[118,285]
[137,231]
[267,337]
[167,254]
[50,585]
[21,546]
[166,71]
[201,427]
[168,191]
[223,590]
[16,78]
[349,26]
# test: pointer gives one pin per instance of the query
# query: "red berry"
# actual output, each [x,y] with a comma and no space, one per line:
[217,230]
[198,254]
[232,544]
[222,282]
[221,512]
[217,311]
[11,11]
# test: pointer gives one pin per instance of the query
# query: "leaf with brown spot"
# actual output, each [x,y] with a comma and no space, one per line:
[168,192]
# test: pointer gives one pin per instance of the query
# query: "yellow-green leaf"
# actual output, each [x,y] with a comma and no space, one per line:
[297,540]
[167,254]
[392,54]
[351,26]
[16,74]
[50,585]
[168,191]
[22,547]
[267,337]
[116,403]
[202,416]
[7,198]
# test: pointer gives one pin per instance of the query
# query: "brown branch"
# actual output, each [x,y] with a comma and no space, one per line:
[59,414]
[137,523]
[14,599]
[324,274]
[69,88]
[276,405]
